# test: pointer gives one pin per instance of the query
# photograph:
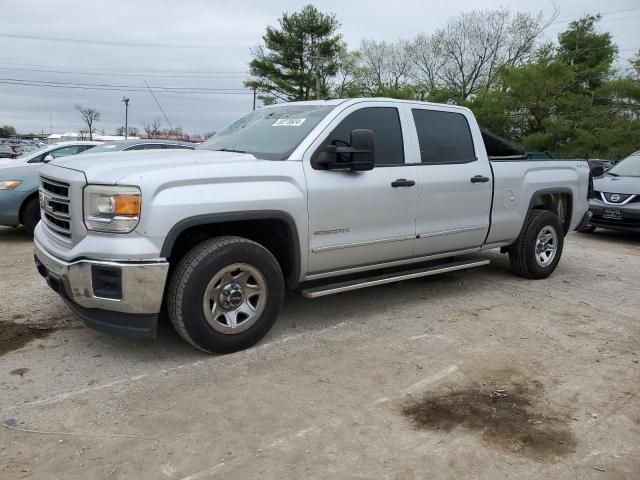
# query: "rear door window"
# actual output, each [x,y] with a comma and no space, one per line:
[444,137]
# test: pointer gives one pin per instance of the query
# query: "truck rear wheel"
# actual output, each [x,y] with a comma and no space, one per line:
[225,294]
[538,249]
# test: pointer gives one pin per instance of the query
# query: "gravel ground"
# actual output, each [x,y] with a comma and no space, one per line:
[474,374]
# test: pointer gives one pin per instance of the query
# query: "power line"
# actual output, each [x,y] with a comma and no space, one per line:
[104,74]
[611,12]
[121,44]
[123,87]
[158,103]
[105,43]
[107,69]
[28,83]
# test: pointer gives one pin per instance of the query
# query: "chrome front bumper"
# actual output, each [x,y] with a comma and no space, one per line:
[141,283]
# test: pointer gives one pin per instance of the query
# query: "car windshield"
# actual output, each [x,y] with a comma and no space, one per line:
[270,133]
[629,167]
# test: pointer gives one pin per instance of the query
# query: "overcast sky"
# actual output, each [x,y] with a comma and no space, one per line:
[211,49]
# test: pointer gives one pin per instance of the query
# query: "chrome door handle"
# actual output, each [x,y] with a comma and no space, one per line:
[402,182]
[480,179]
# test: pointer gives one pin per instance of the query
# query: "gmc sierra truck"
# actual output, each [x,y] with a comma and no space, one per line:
[324,196]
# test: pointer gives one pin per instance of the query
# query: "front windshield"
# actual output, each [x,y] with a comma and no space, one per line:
[269,133]
[629,167]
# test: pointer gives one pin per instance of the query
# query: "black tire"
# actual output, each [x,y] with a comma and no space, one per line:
[31,215]
[188,285]
[589,229]
[522,254]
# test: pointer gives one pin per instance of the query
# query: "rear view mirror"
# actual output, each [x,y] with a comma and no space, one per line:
[47,159]
[359,156]
[364,149]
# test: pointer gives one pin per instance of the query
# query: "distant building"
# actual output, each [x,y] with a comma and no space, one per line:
[63,137]
[113,138]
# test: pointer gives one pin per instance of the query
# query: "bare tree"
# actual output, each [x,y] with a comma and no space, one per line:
[90,116]
[386,65]
[350,74]
[474,45]
[428,60]
[153,129]
[131,131]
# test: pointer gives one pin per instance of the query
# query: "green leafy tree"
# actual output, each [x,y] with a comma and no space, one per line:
[564,99]
[635,63]
[350,78]
[7,131]
[302,49]
[589,53]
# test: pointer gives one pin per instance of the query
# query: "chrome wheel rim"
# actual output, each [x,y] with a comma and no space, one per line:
[546,246]
[235,298]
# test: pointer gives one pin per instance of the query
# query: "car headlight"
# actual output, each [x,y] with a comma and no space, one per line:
[10,184]
[111,209]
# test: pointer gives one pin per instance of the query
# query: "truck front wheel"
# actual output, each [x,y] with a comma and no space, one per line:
[225,294]
[537,251]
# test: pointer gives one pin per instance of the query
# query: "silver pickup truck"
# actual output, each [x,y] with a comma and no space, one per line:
[313,196]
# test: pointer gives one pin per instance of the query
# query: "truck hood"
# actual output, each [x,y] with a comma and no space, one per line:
[110,167]
[611,184]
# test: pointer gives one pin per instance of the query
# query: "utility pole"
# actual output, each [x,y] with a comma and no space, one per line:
[126,116]
[317,48]
[255,92]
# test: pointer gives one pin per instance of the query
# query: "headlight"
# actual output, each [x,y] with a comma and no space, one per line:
[10,184]
[111,209]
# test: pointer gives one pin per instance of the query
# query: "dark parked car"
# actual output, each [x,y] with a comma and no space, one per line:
[129,145]
[616,202]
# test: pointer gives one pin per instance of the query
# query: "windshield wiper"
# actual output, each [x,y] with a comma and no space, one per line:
[229,150]
[612,174]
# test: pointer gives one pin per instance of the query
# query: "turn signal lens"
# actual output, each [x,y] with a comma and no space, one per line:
[127,205]
[10,184]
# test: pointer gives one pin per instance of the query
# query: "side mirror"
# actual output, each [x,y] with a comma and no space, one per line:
[47,159]
[358,157]
[597,170]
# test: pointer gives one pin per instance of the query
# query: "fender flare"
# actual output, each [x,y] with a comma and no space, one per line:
[214,218]
[547,191]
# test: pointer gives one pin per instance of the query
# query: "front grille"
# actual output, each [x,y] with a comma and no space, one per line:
[56,188]
[617,198]
[54,203]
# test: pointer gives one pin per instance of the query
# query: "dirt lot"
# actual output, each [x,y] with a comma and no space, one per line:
[474,374]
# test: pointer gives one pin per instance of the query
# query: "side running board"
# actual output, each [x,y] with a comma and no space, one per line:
[339,287]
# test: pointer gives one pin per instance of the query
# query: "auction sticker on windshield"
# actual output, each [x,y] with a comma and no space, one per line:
[288,122]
